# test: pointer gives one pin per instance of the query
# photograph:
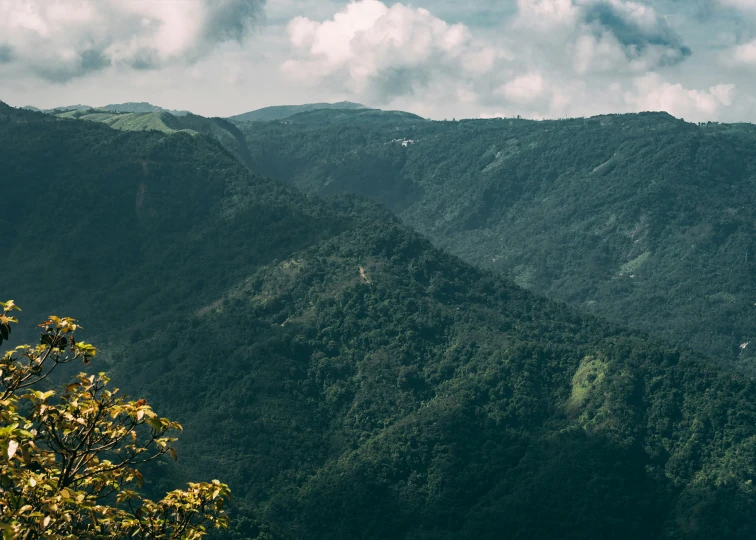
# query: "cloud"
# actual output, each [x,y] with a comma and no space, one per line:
[60,40]
[602,35]
[546,14]
[439,58]
[383,52]
[6,53]
[638,29]
[651,93]
[745,5]
[741,55]
[552,58]
[524,89]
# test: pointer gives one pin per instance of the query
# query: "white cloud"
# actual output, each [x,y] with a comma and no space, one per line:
[745,5]
[597,54]
[524,89]
[546,14]
[553,58]
[384,51]
[651,93]
[603,36]
[535,58]
[62,39]
[741,55]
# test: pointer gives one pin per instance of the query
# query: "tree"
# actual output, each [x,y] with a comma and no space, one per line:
[68,467]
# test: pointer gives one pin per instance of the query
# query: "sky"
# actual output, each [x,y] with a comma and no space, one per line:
[695,59]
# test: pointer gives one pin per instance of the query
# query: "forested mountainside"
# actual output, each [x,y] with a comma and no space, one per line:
[279,112]
[134,107]
[643,218]
[142,107]
[346,378]
[222,130]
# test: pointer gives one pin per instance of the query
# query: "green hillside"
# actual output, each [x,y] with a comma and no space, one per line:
[644,219]
[142,107]
[222,130]
[346,378]
[279,112]
[131,107]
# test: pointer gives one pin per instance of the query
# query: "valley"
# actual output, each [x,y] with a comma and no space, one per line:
[347,378]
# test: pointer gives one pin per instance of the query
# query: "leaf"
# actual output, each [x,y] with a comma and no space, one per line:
[4,331]
[173,453]
[12,447]
[45,522]
[10,305]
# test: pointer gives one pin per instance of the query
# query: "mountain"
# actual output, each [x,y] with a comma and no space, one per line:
[131,107]
[141,107]
[644,218]
[58,110]
[280,112]
[222,130]
[348,379]
[68,108]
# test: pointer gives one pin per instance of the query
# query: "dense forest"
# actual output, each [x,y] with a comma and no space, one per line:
[644,219]
[122,117]
[345,377]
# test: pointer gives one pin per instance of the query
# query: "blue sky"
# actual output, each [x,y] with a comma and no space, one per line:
[442,59]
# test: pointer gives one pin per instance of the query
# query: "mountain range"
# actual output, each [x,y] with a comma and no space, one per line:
[134,107]
[644,219]
[279,112]
[264,114]
[348,378]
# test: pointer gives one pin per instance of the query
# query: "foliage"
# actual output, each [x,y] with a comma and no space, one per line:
[165,122]
[69,459]
[348,378]
[644,219]
[280,112]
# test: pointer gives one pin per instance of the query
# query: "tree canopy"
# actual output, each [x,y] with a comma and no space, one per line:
[70,458]
[347,378]
[641,218]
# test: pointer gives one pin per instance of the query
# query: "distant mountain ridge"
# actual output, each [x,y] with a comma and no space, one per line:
[349,380]
[141,107]
[279,112]
[642,218]
[132,106]
[220,129]
[56,110]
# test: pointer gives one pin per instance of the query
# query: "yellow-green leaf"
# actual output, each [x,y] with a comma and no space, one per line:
[12,447]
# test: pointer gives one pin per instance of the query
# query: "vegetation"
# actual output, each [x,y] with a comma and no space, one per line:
[131,107]
[69,459]
[141,107]
[348,379]
[644,219]
[280,112]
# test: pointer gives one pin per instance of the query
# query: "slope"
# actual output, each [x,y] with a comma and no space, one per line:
[644,219]
[222,130]
[345,377]
[141,106]
[279,112]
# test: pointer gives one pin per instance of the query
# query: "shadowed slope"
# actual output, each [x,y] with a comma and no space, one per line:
[348,379]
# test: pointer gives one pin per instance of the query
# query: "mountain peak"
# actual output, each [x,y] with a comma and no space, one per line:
[279,112]
[140,106]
